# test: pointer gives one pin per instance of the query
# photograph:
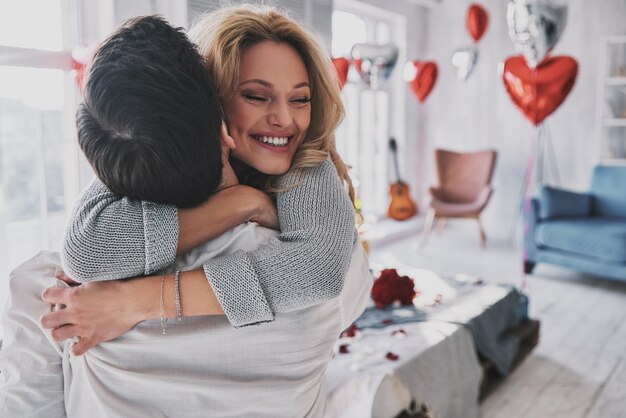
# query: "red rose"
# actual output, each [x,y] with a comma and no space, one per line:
[391,287]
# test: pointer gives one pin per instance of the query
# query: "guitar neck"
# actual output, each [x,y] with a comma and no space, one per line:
[394,151]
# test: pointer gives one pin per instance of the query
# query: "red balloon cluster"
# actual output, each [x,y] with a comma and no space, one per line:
[540,91]
[476,21]
[391,287]
[421,76]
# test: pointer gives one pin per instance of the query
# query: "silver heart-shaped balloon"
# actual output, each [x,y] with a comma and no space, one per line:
[535,26]
[464,60]
[374,62]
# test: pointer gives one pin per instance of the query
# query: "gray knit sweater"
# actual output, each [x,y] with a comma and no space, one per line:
[111,237]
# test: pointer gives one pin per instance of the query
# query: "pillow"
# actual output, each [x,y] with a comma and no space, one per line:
[559,203]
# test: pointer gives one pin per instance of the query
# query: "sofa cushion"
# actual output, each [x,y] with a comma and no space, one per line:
[599,238]
[559,203]
[608,187]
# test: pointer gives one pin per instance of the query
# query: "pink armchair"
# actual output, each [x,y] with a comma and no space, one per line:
[463,188]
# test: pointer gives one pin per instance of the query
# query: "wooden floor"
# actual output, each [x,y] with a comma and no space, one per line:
[579,367]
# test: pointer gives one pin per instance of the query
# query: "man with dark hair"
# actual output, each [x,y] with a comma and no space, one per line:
[150,121]
[149,126]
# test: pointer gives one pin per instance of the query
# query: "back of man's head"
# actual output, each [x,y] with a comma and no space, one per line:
[150,120]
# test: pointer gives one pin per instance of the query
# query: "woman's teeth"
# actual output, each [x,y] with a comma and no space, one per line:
[272,140]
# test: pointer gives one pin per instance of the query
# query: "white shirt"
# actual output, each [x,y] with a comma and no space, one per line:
[204,367]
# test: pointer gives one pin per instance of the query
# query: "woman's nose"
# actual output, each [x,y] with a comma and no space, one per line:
[280,114]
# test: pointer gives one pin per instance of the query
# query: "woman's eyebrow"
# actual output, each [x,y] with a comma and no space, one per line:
[270,85]
[258,81]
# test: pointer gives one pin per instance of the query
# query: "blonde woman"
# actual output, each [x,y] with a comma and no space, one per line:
[282,105]
[308,261]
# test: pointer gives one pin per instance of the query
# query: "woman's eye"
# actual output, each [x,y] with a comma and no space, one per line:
[255,98]
[301,100]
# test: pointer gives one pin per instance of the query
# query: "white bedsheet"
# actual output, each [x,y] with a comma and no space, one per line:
[437,363]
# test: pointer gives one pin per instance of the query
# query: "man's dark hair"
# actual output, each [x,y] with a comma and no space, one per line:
[150,120]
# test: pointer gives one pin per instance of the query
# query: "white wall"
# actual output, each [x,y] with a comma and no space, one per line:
[478,113]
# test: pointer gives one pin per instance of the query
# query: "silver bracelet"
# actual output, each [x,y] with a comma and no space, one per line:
[162,308]
[177,289]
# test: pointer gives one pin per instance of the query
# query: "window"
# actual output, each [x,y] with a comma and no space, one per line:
[38,151]
[372,116]
[18,22]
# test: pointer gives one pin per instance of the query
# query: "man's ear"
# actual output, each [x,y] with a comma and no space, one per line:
[226,139]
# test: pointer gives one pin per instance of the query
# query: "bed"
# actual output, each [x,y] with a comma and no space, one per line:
[447,350]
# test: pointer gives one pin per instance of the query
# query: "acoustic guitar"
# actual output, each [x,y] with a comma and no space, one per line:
[401,206]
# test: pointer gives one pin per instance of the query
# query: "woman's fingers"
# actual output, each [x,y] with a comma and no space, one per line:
[55,319]
[81,347]
[65,332]
[56,295]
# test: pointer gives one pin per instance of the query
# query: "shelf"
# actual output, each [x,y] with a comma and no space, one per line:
[615,122]
[611,108]
[615,81]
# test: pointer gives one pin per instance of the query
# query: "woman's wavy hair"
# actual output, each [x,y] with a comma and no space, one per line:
[222,36]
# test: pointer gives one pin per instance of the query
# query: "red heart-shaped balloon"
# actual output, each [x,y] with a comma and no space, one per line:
[421,76]
[342,65]
[539,92]
[476,21]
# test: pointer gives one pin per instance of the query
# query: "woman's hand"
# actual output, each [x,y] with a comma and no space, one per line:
[224,210]
[265,213]
[95,311]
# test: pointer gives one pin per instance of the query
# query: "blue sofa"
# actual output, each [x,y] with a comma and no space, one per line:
[581,231]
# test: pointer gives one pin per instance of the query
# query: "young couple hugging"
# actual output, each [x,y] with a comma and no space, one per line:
[222,317]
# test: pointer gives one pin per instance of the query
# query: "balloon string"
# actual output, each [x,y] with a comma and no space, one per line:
[530,164]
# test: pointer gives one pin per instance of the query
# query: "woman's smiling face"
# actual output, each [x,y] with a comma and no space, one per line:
[269,112]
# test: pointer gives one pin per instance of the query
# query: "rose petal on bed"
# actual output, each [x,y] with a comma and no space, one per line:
[398,333]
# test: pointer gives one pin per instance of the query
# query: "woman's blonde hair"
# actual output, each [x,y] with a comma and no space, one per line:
[222,36]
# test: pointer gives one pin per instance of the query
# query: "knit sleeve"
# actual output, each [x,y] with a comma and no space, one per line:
[303,266]
[112,237]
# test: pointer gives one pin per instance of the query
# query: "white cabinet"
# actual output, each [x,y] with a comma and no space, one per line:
[611,112]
